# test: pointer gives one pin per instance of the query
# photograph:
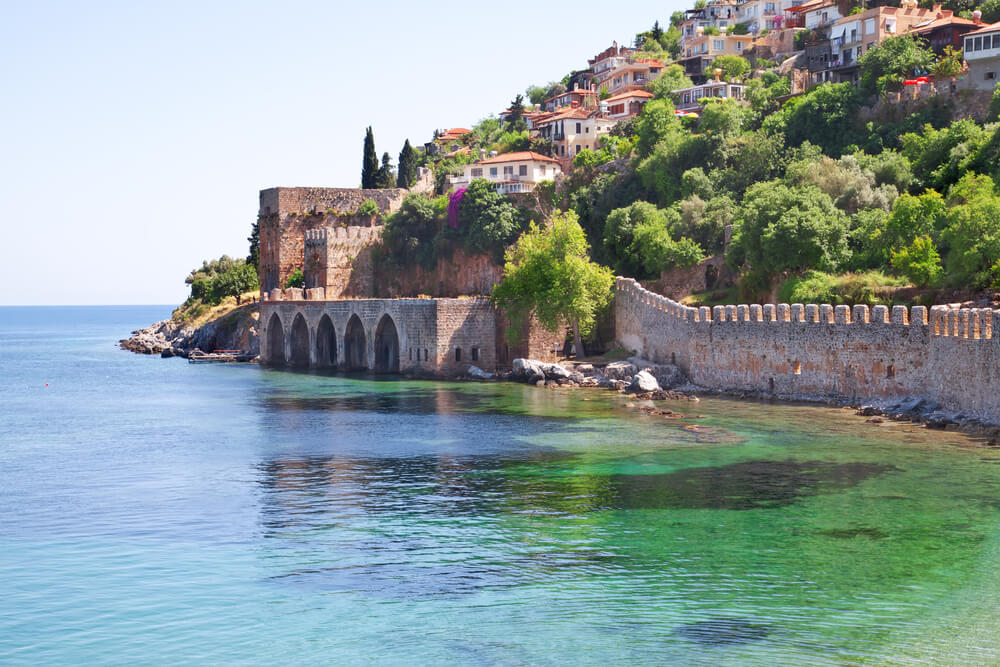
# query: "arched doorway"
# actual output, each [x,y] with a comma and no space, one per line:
[300,342]
[355,346]
[275,341]
[386,346]
[326,343]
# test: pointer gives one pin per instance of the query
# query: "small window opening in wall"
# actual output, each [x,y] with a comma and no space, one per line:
[475,354]
[797,367]
[890,371]
[673,358]
[411,354]
[770,385]
[458,354]
[425,354]
[506,352]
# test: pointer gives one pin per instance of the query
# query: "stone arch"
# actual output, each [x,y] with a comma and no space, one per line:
[355,345]
[326,343]
[299,342]
[386,346]
[275,341]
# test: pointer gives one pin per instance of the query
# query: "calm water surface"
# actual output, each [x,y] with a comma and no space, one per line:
[154,511]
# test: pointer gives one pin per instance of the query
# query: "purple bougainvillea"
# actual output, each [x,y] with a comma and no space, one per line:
[454,201]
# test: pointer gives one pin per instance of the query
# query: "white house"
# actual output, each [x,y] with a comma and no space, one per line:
[511,172]
[689,99]
[982,52]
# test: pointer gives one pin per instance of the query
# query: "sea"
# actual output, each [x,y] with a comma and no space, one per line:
[154,511]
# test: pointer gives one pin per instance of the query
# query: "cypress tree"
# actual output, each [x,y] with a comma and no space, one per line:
[385,178]
[253,259]
[407,166]
[369,167]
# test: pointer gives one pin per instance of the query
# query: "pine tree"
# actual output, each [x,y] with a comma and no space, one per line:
[407,166]
[369,167]
[253,259]
[385,177]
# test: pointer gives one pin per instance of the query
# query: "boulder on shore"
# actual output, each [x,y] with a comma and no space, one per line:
[532,370]
[642,382]
[620,370]
[477,373]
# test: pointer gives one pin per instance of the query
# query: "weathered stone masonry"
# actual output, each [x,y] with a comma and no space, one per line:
[948,356]
[416,336]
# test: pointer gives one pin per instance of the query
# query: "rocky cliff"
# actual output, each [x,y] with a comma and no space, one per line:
[233,330]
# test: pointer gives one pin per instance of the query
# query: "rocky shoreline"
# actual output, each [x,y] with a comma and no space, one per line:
[235,330]
[648,381]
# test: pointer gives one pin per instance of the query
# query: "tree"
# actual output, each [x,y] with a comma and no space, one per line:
[973,231]
[295,279]
[782,228]
[490,220]
[407,174]
[672,78]
[253,259]
[385,177]
[516,110]
[548,274]
[949,64]
[733,67]
[911,217]
[885,66]
[657,32]
[369,164]
[724,118]
[823,116]
[536,94]
[919,261]
[234,282]
[654,123]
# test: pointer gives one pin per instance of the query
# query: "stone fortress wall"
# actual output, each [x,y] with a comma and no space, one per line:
[286,214]
[415,336]
[948,356]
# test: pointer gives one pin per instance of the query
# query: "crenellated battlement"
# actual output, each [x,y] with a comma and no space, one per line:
[971,323]
[819,350]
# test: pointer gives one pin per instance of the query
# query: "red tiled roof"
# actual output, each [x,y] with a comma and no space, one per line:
[634,93]
[517,157]
[937,23]
[989,28]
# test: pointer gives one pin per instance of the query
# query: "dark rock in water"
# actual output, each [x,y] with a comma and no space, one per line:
[722,631]
[851,533]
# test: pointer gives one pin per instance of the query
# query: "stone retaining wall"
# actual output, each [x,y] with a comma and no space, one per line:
[951,357]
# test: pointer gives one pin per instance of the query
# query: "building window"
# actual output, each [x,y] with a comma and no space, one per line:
[522,170]
[493,172]
[739,46]
[425,354]
[458,354]
[996,41]
[990,76]
[578,149]
[869,26]
[508,171]
[718,45]
[477,172]
[475,354]
[578,128]
[977,45]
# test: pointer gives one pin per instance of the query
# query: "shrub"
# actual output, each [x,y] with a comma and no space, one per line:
[919,262]
[296,279]
[239,279]
[367,208]
[848,289]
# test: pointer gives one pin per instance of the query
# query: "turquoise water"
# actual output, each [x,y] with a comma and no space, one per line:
[154,511]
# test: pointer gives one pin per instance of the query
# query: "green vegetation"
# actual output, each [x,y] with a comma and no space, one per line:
[408,163]
[296,279]
[813,196]
[548,274]
[368,207]
[369,163]
[216,282]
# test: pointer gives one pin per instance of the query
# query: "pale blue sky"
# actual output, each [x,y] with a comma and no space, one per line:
[135,136]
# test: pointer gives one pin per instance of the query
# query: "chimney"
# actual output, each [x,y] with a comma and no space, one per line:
[576,86]
[977,17]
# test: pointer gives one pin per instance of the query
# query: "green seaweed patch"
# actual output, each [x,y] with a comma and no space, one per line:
[853,533]
[747,485]
[724,631]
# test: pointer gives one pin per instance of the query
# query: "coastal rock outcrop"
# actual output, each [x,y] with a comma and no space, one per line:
[235,330]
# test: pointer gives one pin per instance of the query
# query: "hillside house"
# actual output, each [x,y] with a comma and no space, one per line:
[689,99]
[573,130]
[511,172]
[982,53]
[625,105]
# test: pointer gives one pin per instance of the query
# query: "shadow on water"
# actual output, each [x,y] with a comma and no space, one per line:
[724,631]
